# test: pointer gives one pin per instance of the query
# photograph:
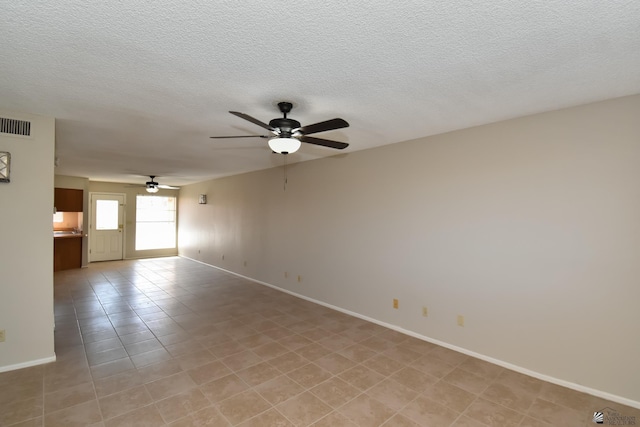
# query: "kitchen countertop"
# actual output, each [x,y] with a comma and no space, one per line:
[66,235]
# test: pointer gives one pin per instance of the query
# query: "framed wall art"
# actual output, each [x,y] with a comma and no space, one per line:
[5,163]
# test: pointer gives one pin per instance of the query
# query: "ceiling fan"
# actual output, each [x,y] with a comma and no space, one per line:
[288,133]
[153,187]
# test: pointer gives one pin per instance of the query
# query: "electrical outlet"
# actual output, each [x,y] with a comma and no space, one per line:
[425,313]
[245,263]
[223,257]
[395,303]
[286,274]
[460,320]
[299,278]
[2,335]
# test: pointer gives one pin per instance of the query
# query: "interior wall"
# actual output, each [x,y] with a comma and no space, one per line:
[131,193]
[528,228]
[26,246]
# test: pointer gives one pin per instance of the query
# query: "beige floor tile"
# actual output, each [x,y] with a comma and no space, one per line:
[243,406]
[555,414]
[392,393]
[467,381]
[492,414]
[335,392]
[313,351]
[223,388]
[124,401]
[366,411]
[309,375]
[143,417]
[168,386]
[414,379]
[208,372]
[358,353]
[192,326]
[383,364]
[450,396]
[334,363]
[279,389]
[21,410]
[258,374]
[428,413]
[182,405]
[270,418]
[509,396]
[399,420]
[361,377]
[68,397]
[303,409]
[208,417]
[80,415]
[334,419]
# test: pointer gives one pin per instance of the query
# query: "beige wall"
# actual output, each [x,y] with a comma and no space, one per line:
[528,228]
[26,246]
[130,193]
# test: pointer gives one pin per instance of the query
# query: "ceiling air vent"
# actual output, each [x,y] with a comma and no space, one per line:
[15,127]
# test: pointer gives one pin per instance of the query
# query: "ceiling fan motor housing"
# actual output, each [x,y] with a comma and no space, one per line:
[286,126]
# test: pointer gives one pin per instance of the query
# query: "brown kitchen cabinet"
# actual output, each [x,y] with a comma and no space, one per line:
[68,200]
[67,253]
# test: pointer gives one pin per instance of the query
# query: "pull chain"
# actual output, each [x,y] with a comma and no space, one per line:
[284,169]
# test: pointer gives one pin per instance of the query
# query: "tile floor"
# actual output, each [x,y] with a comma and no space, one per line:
[169,341]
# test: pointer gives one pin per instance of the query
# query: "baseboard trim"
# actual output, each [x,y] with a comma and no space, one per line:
[507,365]
[28,364]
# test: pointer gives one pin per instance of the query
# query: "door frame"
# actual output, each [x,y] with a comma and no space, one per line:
[124,221]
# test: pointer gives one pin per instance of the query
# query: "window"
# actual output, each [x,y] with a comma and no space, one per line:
[155,222]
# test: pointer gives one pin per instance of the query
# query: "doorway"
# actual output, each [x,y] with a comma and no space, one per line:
[106,227]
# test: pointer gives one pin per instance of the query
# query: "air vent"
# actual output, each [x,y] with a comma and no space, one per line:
[15,127]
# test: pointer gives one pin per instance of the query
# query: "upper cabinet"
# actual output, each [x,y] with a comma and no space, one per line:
[68,200]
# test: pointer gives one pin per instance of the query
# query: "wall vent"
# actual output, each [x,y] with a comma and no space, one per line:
[15,127]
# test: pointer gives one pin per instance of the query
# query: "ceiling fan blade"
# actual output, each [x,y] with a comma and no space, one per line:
[240,136]
[167,187]
[324,142]
[323,126]
[251,119]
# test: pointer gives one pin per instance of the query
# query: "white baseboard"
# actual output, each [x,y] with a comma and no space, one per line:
[28,364]
[507,365]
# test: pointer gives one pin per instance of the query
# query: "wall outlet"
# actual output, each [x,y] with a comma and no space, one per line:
[460,320]
[425,312]
[286,274]
[223,257]
[395,303]
[299,278]
[245,263]
[2,335]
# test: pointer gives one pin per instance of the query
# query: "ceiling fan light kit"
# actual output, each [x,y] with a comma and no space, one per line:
[284,145]
[152,188]
[288,134]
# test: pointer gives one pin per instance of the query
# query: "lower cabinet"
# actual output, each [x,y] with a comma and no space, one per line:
[67,253]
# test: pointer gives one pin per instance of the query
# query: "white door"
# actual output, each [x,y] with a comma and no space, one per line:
[106,226]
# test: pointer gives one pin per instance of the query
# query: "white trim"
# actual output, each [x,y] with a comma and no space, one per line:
[28,364]
[525,371]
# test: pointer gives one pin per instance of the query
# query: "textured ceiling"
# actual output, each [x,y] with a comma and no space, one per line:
[138,87]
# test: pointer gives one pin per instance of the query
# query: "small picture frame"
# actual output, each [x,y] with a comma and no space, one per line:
[5,163]
[202,199]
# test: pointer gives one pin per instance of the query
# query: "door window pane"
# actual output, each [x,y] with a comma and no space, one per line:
[106,214]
